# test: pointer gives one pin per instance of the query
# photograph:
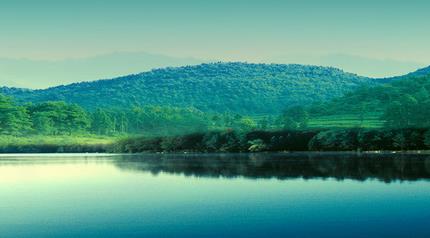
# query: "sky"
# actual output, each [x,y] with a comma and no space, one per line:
[371,38]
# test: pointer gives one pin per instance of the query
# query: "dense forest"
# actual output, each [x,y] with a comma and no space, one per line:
[386,114]
[403,107]
[242,88]
[57,118]
[401,103]
[353,139]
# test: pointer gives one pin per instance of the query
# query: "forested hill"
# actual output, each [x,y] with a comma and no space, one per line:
[408,98]
[218,87]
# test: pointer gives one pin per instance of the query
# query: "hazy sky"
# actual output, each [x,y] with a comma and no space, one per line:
[387,32]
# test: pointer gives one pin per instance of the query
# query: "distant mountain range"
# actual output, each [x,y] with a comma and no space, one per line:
[216,87]
[48,73]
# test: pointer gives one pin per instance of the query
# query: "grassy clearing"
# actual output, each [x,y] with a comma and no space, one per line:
[346,121]
[371,121]
[55,144]
[56,140]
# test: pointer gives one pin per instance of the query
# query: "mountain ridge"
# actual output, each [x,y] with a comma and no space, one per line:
[248,88]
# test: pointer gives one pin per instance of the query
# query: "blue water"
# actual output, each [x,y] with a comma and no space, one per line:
[265,195]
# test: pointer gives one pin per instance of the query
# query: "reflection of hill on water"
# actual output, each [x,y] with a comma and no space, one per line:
[384,167]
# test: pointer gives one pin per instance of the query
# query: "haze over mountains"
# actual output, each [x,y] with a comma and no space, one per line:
[38,74]
[361,65]
[41,73]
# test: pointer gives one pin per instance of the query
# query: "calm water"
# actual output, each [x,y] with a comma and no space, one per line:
[264,195]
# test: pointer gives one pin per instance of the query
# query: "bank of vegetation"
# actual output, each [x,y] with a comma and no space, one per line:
[394,116]
[387,116]
[354,139]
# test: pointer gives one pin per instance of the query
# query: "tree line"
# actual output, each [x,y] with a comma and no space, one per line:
[57,118]
[60,118]
[353,139]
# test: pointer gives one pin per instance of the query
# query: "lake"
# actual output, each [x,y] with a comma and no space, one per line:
[215,195]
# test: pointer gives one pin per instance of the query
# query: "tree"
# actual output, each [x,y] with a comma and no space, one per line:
[399,141]
[58,118]
[400,114]
[14,120]
[247,124]
[77,119]
[42,123]
[121,123]
[102,123]
[295,118]
[427,138]
[264,123]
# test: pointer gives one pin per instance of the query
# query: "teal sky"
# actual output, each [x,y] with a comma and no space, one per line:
[390,33]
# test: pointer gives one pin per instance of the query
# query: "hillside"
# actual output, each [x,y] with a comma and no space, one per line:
[405,94]
[219,87]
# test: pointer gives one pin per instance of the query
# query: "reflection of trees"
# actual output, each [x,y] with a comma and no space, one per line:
[384,167]
[427,165]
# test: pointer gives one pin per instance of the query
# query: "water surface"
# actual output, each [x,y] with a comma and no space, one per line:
[215,195]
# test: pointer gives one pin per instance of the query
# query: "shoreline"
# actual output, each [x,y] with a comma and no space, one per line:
[103,153]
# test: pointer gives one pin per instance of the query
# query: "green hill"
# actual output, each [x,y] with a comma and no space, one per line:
[401,103]
[218,87]
[375,100]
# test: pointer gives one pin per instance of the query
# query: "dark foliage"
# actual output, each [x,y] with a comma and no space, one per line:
[257,141]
